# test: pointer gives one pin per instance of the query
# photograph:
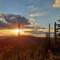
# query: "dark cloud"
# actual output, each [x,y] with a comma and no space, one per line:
[10,19]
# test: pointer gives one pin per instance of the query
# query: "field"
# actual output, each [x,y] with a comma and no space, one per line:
[28,48]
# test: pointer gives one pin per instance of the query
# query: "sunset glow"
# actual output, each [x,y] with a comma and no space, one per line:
[7,32]
[21,31]
[14,32]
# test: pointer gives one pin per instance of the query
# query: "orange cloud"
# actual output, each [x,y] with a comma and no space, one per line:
[56,3]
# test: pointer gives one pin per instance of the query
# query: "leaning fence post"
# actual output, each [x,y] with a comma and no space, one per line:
[55,31]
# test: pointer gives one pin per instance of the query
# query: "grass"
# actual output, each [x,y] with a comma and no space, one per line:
[28,48]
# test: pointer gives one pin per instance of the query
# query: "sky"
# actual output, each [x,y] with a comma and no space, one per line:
[42,12]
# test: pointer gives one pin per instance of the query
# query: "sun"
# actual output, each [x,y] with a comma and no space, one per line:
[21,31]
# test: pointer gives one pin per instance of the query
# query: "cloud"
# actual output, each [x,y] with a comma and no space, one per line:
[35,12]
[2,20]
[32,21]
[56,4]
[11,21]
[32,14]
[10,18]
